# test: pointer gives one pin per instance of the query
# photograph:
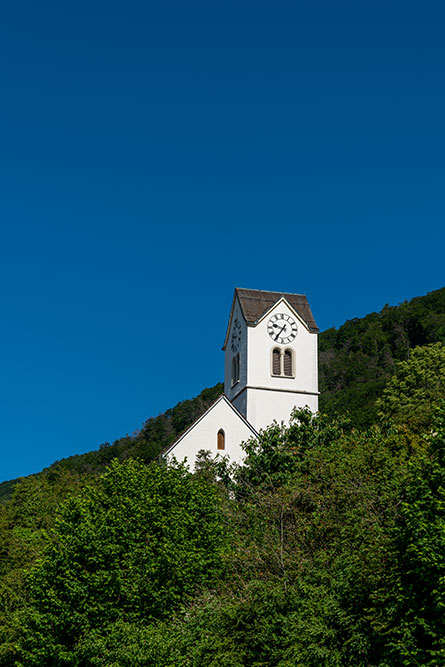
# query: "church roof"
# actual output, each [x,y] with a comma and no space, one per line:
[254,303]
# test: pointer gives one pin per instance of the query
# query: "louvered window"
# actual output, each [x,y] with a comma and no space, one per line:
[283,362]
[276,361]
[235,369]
[220,443]
[288,370]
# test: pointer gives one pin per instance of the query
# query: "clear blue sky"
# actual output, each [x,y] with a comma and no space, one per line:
[156,154]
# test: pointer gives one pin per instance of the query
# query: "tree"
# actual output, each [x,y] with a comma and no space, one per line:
[315,505]
[416,603]
[135,545]
[416,388]
[24,521]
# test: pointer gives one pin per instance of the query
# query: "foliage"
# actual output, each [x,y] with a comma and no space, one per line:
[316,503]
[134,545]
[124,644]
[24,522]
[415,604]
[415,389]
[325,549]
[313,515]
[335,558]
[356,360]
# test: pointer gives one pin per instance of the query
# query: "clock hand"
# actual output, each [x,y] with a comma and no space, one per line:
[280,332]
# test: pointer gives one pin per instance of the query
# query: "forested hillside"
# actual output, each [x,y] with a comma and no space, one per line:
[325,549]
[356,360]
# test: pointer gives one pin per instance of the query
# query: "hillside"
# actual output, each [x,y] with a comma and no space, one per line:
[355,361]
[303,555]
[325,549]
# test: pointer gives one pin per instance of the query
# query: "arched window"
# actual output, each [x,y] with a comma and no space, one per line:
[221,440]
[288,363]
[235,369]
[283,362]
[276,361]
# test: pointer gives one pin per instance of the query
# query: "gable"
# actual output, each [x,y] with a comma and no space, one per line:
[254,304]
[202,434]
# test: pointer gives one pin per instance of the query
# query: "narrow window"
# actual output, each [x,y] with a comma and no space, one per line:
[276,361]
[221,440]
[288,363]
[235,369]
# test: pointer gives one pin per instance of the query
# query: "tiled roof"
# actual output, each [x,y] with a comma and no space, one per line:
[254,303]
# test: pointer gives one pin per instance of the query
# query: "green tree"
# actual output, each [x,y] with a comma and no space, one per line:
[415,605]
[135,545]
[313,509]
[416,387]
[24,522]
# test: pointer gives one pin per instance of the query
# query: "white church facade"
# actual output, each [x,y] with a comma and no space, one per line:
[271,367]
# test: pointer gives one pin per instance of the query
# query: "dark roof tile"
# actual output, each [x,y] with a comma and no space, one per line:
[254,303]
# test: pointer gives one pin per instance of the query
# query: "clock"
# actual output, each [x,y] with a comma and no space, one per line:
[282,328]
[236,336]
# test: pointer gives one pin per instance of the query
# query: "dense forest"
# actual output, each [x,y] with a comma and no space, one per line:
[356,360]
[325,549]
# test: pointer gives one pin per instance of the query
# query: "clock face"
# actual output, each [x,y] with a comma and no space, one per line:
[282,328]
[236,336]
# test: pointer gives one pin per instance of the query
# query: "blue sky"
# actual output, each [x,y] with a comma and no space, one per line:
[156,155]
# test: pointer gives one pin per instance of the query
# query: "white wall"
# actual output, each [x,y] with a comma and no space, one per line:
[269,397]
[260,345]
[263,407]
[203,435]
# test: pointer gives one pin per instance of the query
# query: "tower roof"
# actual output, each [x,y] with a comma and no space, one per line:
[255,303]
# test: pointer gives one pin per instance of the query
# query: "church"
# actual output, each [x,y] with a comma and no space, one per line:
[270,368]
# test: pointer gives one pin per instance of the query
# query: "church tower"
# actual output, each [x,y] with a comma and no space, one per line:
[270,369]
[270,356]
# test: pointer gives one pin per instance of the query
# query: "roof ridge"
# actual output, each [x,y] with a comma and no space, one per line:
[269,291]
